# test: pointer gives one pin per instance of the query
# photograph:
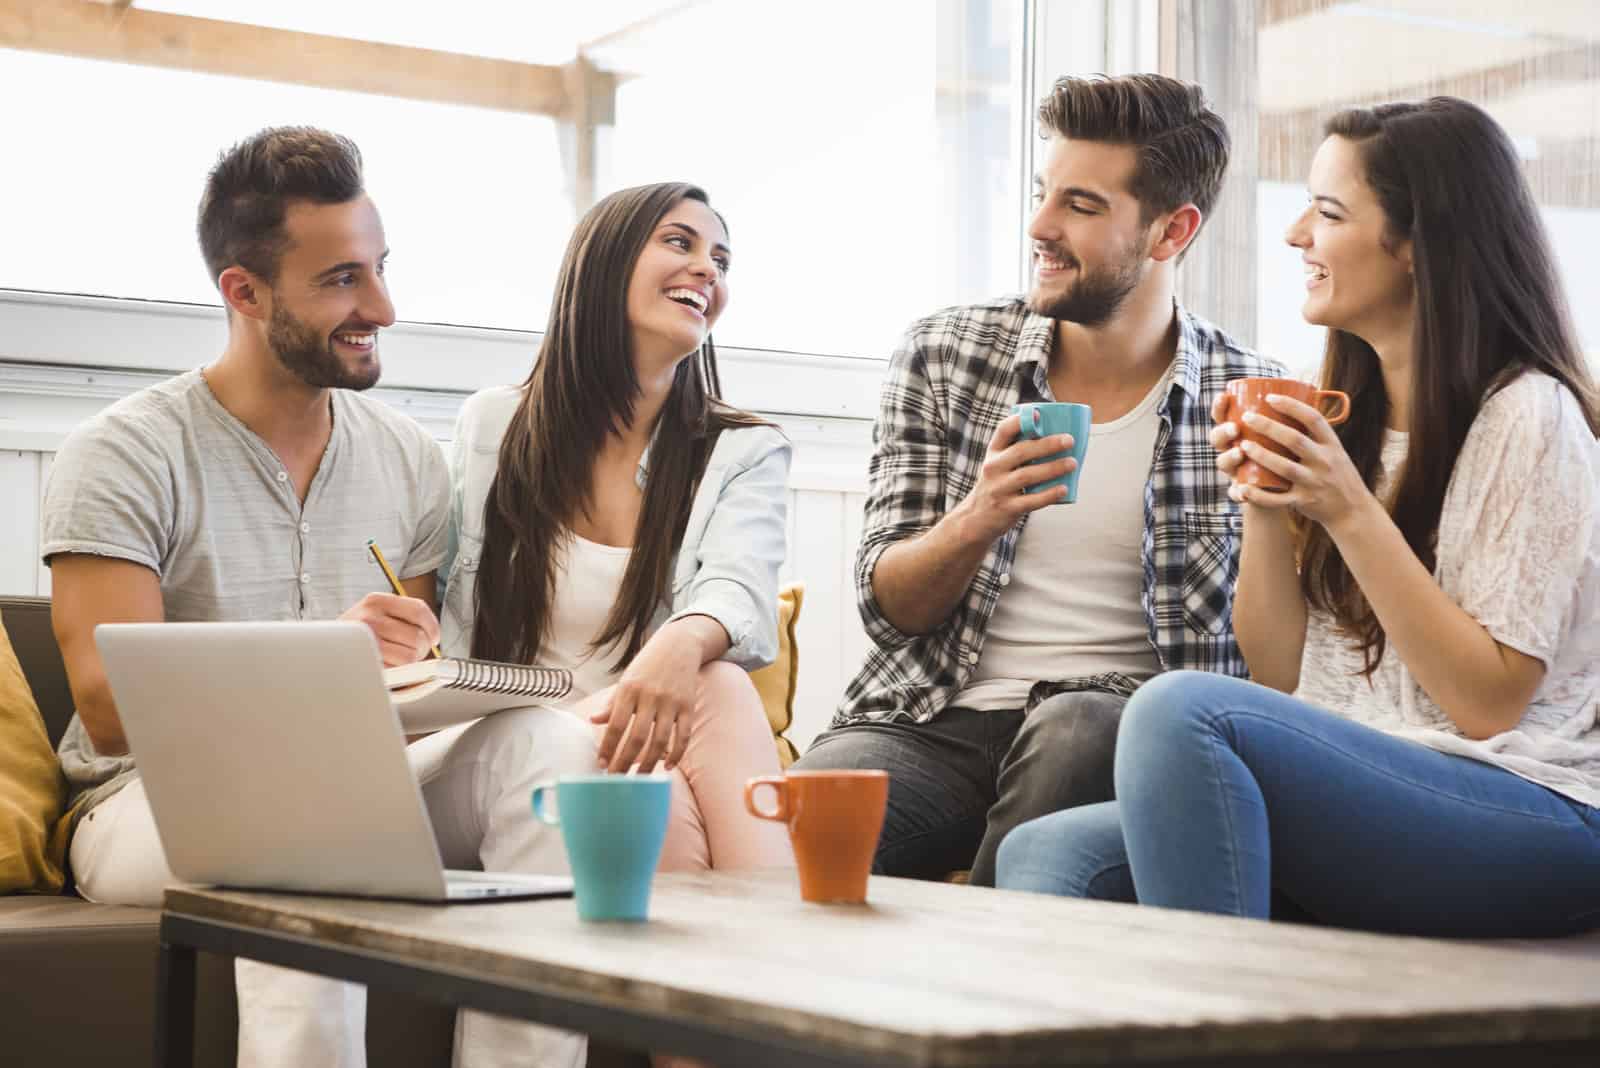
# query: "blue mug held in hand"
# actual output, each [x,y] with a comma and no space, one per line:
[1043,419]
[613,827]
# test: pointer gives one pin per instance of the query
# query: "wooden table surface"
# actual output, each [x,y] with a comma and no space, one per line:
[942,975]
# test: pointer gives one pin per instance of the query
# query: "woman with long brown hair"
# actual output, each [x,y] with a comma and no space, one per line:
[613,516]
[1420,611]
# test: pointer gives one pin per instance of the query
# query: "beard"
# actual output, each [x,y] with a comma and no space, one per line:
[310,357]
[1096,297]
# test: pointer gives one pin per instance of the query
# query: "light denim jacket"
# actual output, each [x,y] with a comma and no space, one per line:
[727,565]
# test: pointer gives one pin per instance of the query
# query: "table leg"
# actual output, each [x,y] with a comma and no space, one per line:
[175,993]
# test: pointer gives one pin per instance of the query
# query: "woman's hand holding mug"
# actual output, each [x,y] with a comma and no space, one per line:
[1294,446]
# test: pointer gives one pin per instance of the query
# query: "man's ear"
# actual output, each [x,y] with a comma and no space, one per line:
[244,293]
[1176,233]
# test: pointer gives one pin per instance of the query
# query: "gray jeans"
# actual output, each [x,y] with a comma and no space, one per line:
[959,783]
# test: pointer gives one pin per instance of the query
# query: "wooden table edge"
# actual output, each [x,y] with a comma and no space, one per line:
[860,1043]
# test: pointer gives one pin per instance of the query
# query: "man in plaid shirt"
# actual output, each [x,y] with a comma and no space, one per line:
[1009,629]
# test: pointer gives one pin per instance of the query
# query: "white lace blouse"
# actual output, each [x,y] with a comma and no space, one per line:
[1519,549]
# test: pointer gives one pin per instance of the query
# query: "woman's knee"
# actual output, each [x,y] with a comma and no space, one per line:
[1171,713]
[727,681]
[726,690]
[1174,701]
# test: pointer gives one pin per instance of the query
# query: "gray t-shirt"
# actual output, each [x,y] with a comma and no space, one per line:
[169,479]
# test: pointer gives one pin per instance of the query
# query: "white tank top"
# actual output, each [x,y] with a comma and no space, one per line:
[1071,605]
[588,579]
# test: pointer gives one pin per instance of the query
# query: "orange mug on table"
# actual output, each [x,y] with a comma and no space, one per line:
[1250,395]
[834,818]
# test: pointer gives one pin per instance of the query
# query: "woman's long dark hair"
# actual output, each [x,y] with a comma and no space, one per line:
[1489,306]
[582,389]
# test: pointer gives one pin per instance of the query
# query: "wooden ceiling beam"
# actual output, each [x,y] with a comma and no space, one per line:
[1284,10]
[155,39]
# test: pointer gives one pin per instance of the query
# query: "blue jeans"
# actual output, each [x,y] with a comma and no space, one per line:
[1232,797]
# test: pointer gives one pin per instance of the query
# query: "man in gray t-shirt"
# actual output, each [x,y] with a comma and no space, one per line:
[247,490]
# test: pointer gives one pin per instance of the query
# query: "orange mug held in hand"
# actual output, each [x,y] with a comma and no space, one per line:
[1250,395]
[834,818]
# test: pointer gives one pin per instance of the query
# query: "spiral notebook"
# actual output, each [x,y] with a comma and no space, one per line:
[430,695]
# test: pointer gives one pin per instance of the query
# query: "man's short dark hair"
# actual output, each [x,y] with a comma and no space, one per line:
[250,189]
[1182,144]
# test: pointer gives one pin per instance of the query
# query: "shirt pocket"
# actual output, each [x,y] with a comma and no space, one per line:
[1210,569]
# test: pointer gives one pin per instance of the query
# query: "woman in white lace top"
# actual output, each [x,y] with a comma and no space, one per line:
[1420,611]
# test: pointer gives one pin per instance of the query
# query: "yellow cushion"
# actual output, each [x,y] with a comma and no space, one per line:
[775,682]
[31,787]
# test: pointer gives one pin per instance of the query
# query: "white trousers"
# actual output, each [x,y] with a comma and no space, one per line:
[477,781]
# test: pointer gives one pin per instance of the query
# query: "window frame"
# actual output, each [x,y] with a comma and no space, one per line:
[89,332]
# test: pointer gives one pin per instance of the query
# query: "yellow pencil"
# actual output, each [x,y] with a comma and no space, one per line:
[399,590]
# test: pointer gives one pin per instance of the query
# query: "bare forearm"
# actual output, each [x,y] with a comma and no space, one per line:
[705,631]
[1269,613]
[1479,683]
[88,591]
[920,581]
[91,696]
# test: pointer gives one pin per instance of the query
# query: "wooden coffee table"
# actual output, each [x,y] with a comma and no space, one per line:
[735,969]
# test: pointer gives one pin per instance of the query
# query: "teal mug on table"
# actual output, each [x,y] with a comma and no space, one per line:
[1043,419]
[613,827]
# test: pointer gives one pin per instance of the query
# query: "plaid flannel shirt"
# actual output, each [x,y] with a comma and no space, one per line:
[955,377]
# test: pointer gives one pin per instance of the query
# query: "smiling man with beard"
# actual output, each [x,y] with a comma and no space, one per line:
[1007,633]
[247,490]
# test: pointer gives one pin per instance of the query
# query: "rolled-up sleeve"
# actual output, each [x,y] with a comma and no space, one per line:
[906,479]
[735,580]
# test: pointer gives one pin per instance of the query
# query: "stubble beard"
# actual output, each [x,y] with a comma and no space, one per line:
[310,357]
[1098,295]
[1095,299]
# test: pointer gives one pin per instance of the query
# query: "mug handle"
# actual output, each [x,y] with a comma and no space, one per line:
[1341,413]
[780,793]
[542,811]
[1031,422]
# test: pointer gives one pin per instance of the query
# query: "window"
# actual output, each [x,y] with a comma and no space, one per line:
[865,155]
[1532,65]
[869,157]
[472,199]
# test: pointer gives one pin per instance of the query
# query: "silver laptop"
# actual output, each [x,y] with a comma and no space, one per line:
[273,760]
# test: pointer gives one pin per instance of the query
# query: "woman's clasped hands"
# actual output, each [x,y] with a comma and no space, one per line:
[1324,484]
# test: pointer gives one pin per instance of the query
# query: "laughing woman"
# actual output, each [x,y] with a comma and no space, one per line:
[1420,611]
[613,516]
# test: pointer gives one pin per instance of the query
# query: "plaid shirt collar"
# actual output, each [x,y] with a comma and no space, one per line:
[1036,341]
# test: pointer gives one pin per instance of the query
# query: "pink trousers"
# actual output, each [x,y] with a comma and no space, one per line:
[729,741]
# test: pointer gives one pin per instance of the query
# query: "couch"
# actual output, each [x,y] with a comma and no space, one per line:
[77,979]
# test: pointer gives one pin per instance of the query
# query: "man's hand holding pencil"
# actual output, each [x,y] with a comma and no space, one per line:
[405,627]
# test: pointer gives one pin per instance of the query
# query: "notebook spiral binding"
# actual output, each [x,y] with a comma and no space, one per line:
[486,676]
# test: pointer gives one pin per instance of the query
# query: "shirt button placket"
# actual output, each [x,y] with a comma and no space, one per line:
[305,575]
